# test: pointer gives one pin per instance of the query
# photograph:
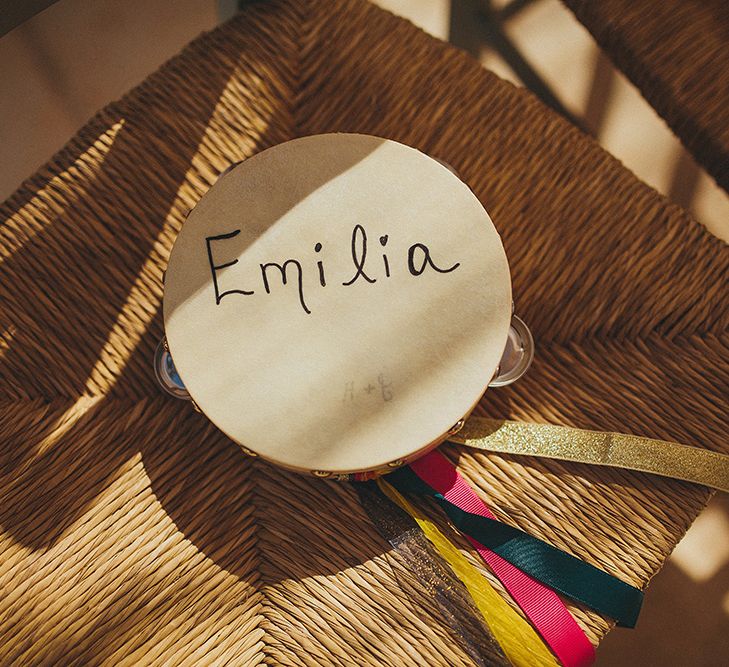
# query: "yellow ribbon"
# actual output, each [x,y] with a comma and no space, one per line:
[519,641]
[660,457]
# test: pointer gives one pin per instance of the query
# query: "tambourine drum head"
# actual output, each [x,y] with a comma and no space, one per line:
[337,303]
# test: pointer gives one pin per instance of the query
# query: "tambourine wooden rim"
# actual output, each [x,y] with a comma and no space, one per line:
[337,304]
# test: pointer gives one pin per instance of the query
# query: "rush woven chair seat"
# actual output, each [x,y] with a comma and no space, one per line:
[133,532]
[675,52]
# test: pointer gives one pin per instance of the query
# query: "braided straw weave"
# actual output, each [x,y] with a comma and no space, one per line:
[675,52]
[132,532]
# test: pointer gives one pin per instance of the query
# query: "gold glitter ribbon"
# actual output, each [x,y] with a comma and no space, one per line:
[519,641]
[618,450]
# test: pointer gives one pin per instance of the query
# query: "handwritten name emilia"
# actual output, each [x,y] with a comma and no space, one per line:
[418,261]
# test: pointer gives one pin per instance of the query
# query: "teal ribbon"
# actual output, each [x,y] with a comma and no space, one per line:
[551,566]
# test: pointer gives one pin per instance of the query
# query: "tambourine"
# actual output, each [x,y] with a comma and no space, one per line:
[338,304]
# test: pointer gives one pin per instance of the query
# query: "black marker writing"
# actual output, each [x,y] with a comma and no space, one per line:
[383,243]
[418,259]
[426,260]
[357,258]
[282,269]
[214,268]
[320,266]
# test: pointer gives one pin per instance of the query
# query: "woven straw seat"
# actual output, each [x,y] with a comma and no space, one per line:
[675,52]
[133,532]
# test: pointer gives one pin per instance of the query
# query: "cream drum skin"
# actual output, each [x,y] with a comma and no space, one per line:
[337,303]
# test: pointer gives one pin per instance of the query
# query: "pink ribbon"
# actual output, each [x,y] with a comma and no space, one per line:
[542,606]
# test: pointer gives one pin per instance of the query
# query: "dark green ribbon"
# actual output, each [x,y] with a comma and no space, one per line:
[553,567]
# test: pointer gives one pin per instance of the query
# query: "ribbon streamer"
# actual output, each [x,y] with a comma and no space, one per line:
[660,457]
[468,627]
[517,638]
[542,605]
[557,569]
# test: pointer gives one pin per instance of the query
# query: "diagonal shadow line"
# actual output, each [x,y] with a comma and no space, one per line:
[62,160]
[46,365]
[67,279]
[290,192]
[55,191]
[599,98]
[705,143]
